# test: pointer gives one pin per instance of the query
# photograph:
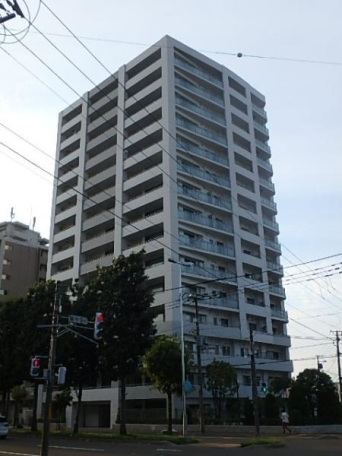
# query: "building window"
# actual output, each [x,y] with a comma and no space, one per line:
[5,277]
[202,318]
[217,349]
[8,247]
[246,380]
[7,262]
[226,350]
[225,322]
[244,352]
[215,321]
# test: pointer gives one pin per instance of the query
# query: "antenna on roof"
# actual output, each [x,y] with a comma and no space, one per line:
[34,223]
[12,214]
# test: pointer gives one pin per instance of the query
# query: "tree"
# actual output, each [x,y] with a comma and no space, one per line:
[77,354]
[121,294]
[312,394]
[222,382]
[279,385]
[60,402]
[163,365]
[19,395]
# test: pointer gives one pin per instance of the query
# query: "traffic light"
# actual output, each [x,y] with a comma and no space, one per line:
[35,369]
[264,388]
[61,375]
[98,326]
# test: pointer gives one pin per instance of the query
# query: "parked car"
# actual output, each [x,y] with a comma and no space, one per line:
[3,427]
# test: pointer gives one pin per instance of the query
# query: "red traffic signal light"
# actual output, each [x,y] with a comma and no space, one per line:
[98,326]
[35,369]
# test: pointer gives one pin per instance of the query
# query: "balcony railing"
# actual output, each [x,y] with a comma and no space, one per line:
[263,146]
[277,290]
[273,245]
[201,111]
[265,164]
[201,131]
[267,202]
[198,172]
[213,273]
[266,183]
[208,246]
[279,314]
[271,224]
[275,267]
[205,221]
[205,198]
[195,89]
[200,73]
[260,111]
[189,147]
[261,128]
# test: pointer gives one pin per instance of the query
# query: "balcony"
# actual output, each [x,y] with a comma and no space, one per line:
[261,128]
[201,111]
[198,172]
[263,146]
[207,246]
[205,221]
[189,147]
[92,264]
[201,131]
[267,183]
[269,203]
[210,273]
[260,111]
[275,267]
[279,314]
[98,219]
[273,245]
[195,89]
[205,198]
[98,240]
[265,164]
[271,224]
[277,290]
[202,74]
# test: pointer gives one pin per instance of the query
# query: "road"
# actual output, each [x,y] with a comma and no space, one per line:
[29,446]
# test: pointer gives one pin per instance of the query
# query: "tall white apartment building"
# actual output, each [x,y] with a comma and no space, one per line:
[170,154]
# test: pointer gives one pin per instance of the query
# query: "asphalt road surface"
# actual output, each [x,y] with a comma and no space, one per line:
[303,446]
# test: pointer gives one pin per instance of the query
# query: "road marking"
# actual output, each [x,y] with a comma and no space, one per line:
[73,448]
[169,450]
[18,454]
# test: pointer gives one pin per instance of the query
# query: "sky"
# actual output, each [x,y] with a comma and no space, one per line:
[284,47]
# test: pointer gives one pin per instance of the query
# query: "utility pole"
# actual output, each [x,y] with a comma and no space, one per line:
[51,371]
[337,335]
[199,364]
[254,385]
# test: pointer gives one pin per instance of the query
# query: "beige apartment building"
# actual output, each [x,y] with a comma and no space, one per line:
[171,154]
[23,258]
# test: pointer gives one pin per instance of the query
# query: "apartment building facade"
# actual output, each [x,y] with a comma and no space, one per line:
[23,258]
[171,154]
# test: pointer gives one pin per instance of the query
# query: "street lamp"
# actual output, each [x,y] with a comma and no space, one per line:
[185,419]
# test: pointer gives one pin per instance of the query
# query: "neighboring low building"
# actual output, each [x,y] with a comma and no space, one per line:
[23,258]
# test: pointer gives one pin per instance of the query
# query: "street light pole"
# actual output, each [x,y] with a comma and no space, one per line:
[199,365]
[185,418]
[254,385]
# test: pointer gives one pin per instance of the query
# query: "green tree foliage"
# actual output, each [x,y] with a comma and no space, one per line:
[279,385]
[19,395]
[163,365]
[272,410]
[60,402]
[79,354]
[313,394]
[120,292]
[222,382]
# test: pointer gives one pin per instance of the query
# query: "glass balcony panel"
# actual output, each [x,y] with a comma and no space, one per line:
[195,89]
[189,147]
[201,111]
[269,203]
[261,128]
[205,198]
[201,131]
[203,74]
[205,221]
[198,172]
[266,183]
[263,146]
[265,164]
[274,245]
[211,273]
[204,245]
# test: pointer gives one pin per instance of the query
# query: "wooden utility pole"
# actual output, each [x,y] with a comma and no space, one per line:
[337,335]
[51,371]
